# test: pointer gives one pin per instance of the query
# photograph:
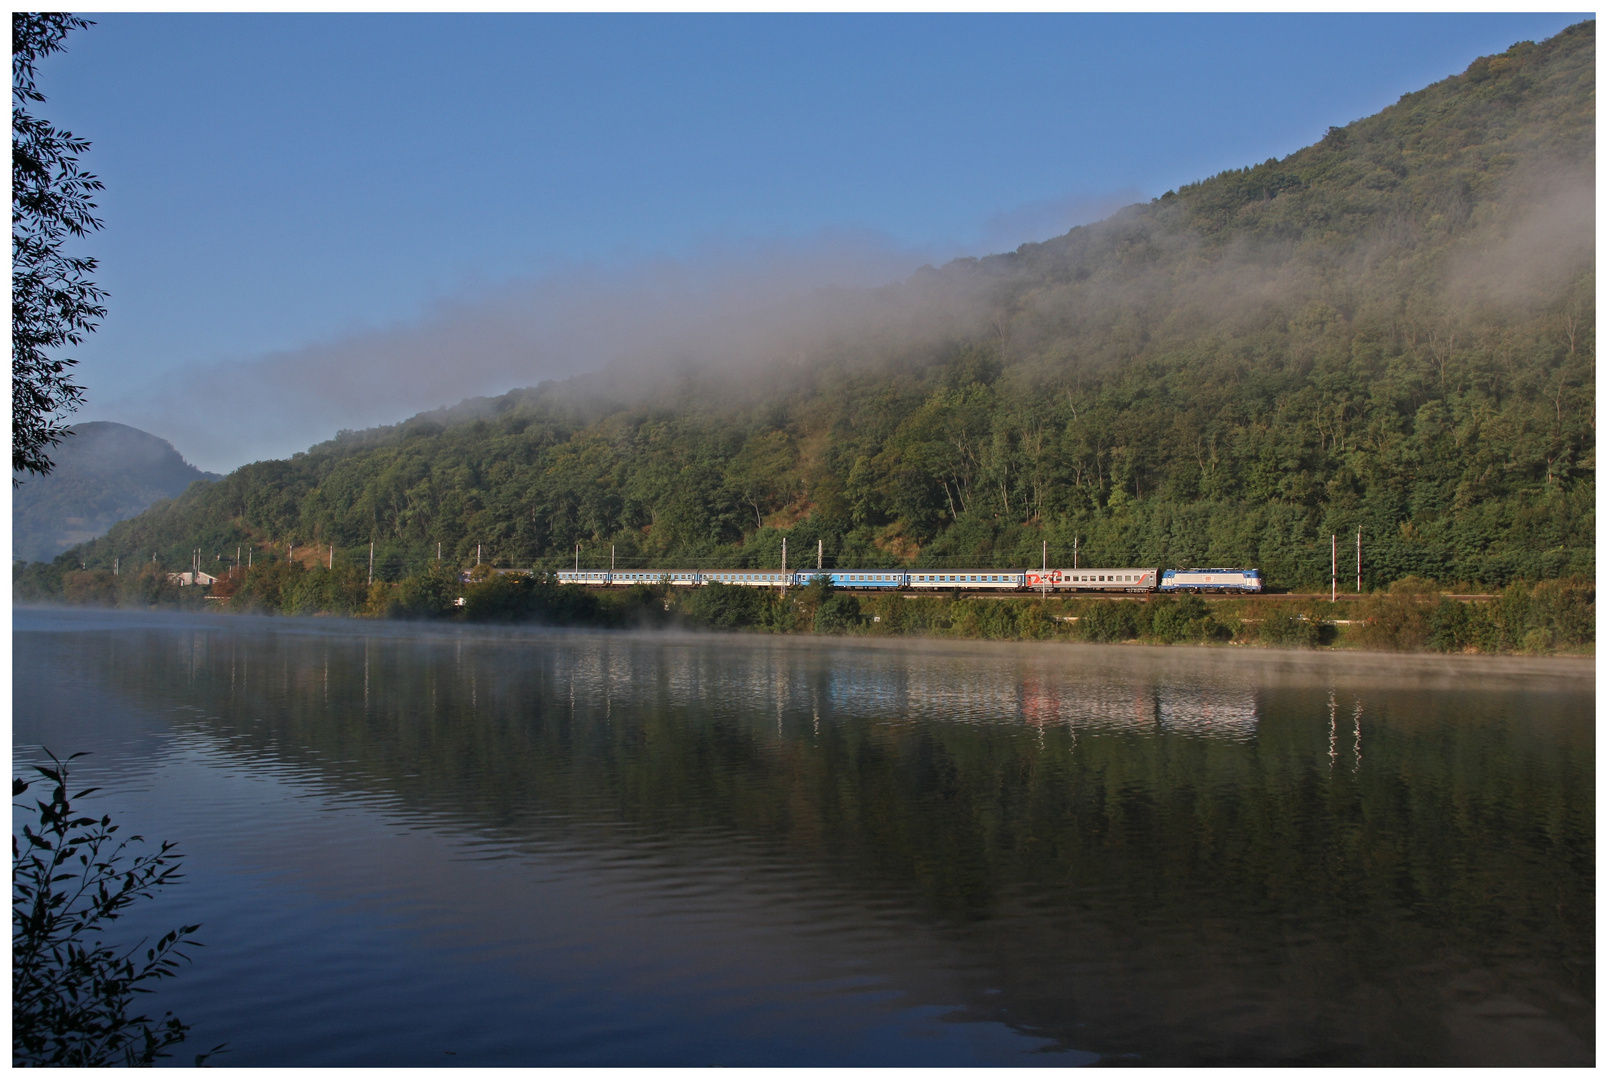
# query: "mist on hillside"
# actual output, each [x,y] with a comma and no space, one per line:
[512,335]
[739,309]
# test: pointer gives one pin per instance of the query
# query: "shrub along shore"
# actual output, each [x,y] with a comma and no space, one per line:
[1413,615]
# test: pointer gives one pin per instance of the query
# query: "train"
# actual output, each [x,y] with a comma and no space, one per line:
[1119,579]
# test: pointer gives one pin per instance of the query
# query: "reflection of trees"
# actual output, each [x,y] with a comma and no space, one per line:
[1039,808]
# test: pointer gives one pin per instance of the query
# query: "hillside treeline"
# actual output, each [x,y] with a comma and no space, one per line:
[1547,617]
[1390,332]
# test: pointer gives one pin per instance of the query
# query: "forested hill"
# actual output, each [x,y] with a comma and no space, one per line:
[1391,330]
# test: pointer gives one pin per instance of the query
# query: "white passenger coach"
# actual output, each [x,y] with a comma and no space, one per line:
[1096,579]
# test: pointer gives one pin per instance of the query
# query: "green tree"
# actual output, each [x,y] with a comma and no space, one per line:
[838,613]
[430,593]
[53,301]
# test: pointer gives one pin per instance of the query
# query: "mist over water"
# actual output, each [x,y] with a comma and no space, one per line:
[465,846]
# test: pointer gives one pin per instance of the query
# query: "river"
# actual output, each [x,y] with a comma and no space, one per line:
[461,846]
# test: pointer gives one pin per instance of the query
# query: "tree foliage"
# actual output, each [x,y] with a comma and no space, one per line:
[53,301]
[71,993]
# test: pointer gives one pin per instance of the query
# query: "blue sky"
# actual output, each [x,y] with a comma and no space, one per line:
[317,188]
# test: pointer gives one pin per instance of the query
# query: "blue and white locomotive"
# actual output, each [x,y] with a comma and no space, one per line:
[1217,580]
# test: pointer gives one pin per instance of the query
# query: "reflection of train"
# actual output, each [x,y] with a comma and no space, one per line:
[1090,580]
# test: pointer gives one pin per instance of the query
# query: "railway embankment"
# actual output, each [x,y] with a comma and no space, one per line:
[1555,617]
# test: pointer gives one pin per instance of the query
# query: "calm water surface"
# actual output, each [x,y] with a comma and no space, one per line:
[457,846]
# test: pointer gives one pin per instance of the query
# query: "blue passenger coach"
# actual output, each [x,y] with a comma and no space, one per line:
[857,579]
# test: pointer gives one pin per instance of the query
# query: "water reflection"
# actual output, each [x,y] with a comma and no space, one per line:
[1102,852]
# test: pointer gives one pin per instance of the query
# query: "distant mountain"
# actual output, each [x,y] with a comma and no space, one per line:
[104,473]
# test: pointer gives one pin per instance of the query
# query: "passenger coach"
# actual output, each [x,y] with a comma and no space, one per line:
[773,579]
[1096,579]
[856,579]
[965,579]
